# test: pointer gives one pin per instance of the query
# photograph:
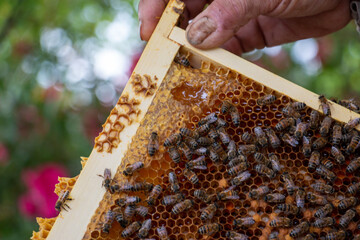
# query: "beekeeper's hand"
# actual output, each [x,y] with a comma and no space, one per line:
[243,25]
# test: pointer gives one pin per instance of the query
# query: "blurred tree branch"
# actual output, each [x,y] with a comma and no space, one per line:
[10,21]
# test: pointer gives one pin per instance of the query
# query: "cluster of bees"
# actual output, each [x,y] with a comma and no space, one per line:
[210,141]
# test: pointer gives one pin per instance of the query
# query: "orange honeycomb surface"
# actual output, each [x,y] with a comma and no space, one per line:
[186,96]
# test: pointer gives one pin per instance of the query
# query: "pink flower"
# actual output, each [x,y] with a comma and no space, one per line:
[4,154]
[40,199]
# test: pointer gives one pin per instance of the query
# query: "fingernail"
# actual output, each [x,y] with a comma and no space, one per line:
[200,30]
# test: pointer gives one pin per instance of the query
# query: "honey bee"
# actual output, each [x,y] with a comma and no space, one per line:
[300,197]
[314,160]
[141,210]
[264,170]
[228,194]
[275,164]
[202,195]
[261,137]
[316,199]
[109,219]
[214,156]
[353,145]
[287,138]
[281,222]
[348,202]
[129,171]
[301,129]
[273,138]
[247,137]
[142,186]
[266,100]
[145,228]
[298,106]
[353,165]
[239,179]
[60,203]
[323,188]
[220,123]
[346,218]
[172,140]
[259,192]
[288,208]
[336,153]
[231,150]
[191,142]
[154,194]
[174,183]
[174,154]
[324,103]
[310,236]
[314,119]
[162,232]
[327,163]
[337,134]
[319,143]
[300,230]
[131,229]
[306,149]
[351,104]
[153,144]
[246,150]
[191,176]
[107,179]
[284,123]
[235,116]
[225,107]
[274,198]
[186,150]
[182,206]
[354,188]
[119,217]
[204,129]
[351,124]
[346,138]
[238,169]
[218,149]
[128,200]
[236,236]
[324,222]
[201,151]
[324,211]
[244,222]
[173,199]
[239,159]
[213,134]
[211,118]
[340,235]
[289,111]
[325,126]
[260,158]
[185,132]
[289,183]
[209,212]
[182,59]
[205,141]
[129,212]
[198,163]
[209,229]
[224,136]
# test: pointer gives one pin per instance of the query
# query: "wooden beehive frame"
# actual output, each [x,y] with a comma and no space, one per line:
[153,65]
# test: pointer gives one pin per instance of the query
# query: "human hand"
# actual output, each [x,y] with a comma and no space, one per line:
[244,25]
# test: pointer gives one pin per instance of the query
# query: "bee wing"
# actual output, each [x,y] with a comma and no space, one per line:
[202,167]
[235,197]
[229,189]
[157,145]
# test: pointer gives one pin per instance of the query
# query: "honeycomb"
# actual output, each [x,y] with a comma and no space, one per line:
[186,96]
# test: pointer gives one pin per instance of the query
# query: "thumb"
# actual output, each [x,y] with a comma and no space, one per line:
[221,20]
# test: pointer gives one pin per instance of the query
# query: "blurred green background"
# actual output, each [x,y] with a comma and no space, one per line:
[63,64]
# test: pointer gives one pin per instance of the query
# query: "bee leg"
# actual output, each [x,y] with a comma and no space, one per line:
[67,206]
[62,207]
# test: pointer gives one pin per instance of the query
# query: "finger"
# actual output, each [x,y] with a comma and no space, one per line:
[223,18]
[192,9]
[149,14]
[254,36]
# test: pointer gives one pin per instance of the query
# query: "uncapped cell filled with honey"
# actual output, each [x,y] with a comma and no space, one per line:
[186,96]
